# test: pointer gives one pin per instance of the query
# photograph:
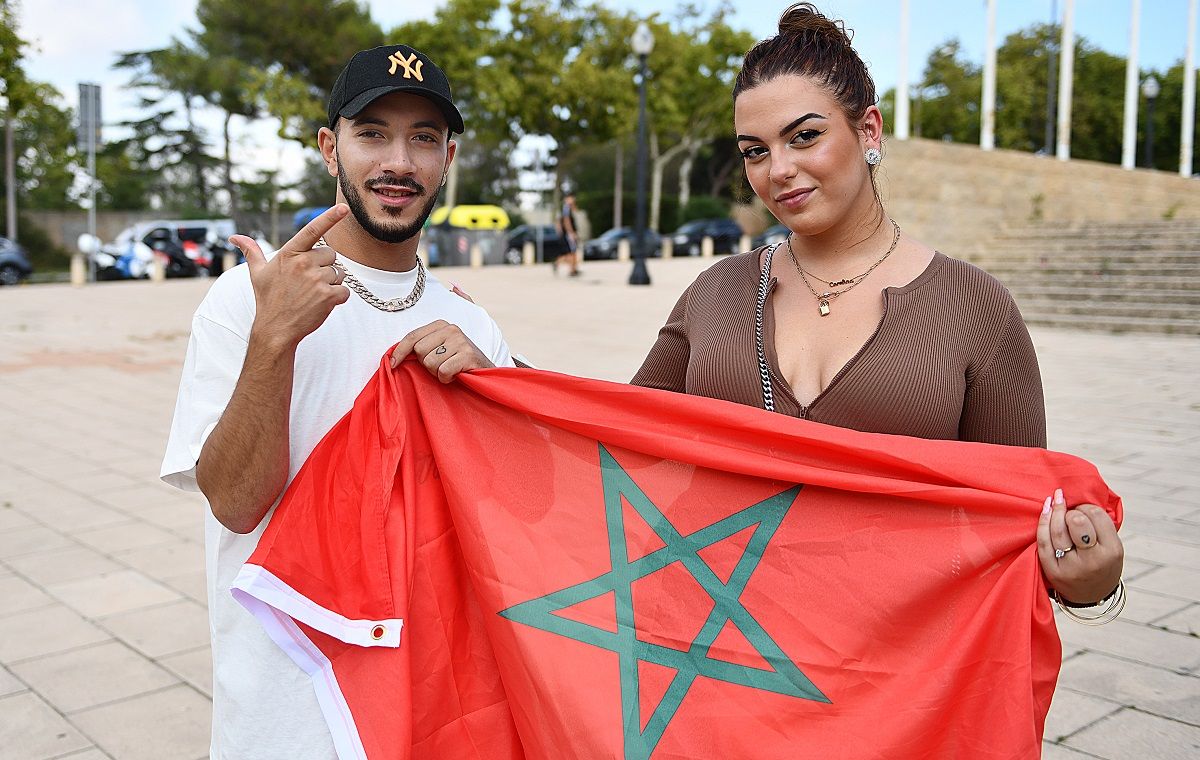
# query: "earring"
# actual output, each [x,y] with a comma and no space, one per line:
[873,156]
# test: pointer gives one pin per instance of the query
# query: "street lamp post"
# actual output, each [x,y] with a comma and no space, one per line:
[1150,90]
[642,43]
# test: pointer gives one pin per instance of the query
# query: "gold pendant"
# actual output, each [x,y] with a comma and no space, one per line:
[824,308]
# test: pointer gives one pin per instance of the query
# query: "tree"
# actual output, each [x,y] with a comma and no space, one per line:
[180,153]
[949,96]
[292,49]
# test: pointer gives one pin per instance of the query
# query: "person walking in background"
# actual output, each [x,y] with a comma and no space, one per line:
[280,349]
[568,226]
[848,321]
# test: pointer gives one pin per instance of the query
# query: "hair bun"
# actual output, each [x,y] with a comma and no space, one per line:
[804,20]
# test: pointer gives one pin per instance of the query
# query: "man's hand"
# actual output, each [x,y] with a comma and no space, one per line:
[296,290]
[443,349]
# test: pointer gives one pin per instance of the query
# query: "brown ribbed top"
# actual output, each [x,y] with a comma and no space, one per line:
[951,357]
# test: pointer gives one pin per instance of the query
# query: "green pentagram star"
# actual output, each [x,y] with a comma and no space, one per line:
[784,677]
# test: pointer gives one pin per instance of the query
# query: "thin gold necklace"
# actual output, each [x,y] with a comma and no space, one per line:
[823,299]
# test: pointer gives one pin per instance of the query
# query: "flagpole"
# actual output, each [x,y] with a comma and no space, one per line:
[1129,140]
[1188,127]
[900,129]
[1066,78]
[987,133]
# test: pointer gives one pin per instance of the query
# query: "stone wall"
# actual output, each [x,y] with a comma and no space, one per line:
[957,197]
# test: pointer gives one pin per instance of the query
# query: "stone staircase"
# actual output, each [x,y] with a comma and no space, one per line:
[1130,277]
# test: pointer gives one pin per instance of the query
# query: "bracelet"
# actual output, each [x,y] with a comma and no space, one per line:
[1104,611]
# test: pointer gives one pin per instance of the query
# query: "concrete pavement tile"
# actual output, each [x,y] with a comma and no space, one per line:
[112,593]
[1180,582]
[1187,621]
[165,560]
[45,631]
[185,520]
[1134,734]
[192,585]
[22,541]
[31,730]
[61,565]
[1143,606]
[11,517]
[130,535]
[1059,752]
[92,676]
[195,667]
[1155,527]
[162,630]
[87,754]
[1071,711]
[1135,642]
[174,722]
[9,683]
[76,514]
[1163,551]
[98,482]
[1136,567]
[1151,689]
[18,595]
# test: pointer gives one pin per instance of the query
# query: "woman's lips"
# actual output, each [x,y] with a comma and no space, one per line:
[794,199]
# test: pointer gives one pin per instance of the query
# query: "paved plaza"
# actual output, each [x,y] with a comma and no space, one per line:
[103,633]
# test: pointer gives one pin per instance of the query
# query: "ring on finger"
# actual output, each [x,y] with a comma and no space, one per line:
[1060,553]
[440,349]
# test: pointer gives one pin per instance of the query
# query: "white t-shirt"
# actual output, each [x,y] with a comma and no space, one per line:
[264,707]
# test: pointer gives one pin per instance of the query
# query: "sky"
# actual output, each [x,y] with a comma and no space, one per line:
[78,40]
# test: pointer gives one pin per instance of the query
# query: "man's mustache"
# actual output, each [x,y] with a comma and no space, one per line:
[402,183]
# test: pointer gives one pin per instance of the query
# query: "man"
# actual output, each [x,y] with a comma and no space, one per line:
[570,232]
[281,347]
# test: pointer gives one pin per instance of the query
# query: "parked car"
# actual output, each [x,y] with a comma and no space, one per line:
[605,246]
[553,243]
[726,235]
[14,264]
[187,247]
[772,235]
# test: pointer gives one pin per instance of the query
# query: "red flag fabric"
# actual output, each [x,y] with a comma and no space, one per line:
[526,564]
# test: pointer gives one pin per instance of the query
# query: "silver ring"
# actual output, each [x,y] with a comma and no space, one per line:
[1060,553]
[440,350]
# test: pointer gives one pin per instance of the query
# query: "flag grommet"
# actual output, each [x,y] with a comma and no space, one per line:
[377,632]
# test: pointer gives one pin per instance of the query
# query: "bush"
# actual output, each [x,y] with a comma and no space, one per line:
[703,207]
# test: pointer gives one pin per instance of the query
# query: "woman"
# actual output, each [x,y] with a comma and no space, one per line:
[849,322]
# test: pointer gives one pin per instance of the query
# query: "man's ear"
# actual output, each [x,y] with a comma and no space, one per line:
[327,143]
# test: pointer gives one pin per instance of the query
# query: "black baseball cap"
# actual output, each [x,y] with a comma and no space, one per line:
[373,73]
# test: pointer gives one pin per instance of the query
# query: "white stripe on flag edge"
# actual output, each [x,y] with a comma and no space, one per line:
[261,584]
[272,602]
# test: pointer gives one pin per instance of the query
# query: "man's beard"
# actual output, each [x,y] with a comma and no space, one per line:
[381,231]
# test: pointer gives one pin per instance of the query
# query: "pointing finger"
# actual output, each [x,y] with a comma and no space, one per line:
[308,235]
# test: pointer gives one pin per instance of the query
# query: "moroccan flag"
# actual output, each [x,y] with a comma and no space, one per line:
[525,564]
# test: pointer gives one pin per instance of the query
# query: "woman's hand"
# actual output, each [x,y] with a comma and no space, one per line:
[1080,552]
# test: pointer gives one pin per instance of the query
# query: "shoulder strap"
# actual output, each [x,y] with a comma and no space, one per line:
[764,282]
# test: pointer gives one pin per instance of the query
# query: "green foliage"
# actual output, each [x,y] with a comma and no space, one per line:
[947,100]
[44,143]
[702,207]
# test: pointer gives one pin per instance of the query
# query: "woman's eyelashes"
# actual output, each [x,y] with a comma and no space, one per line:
[802,138]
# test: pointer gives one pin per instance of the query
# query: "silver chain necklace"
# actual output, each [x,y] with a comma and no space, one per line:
[395,304]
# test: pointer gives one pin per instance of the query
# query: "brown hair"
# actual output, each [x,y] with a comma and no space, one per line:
[809,44]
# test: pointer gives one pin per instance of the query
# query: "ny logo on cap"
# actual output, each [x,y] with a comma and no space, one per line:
[412,66]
